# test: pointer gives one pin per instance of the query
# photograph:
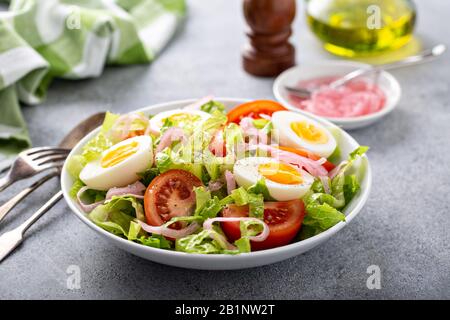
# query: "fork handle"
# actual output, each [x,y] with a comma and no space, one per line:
[42,210]
[5,182]
[10,204]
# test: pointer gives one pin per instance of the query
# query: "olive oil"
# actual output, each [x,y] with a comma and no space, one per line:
[355,28]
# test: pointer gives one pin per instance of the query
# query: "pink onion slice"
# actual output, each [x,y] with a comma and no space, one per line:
[208,225]
[136,190]
[333,173]
[313,167]
[325,183]
[171,135]
[265,116]
[231,181]
[84,206]
[165,231]
[356,98]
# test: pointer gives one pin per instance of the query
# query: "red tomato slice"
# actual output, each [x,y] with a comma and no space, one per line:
[284,219]
[169,195]
[254,109]
[308,154]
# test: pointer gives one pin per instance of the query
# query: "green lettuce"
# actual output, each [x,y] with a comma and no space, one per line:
[148,175]
[193,156]
[260,187]
[88,196]
[322,208]
[168,160]
[320,217]
[116,216]
[93,149]
[102,141]
[213,107]
[76,186]
[351,187]
[260,123]
[155,241]
[242,197]
[198,243]
[75,164]
[234,142]
[206,206]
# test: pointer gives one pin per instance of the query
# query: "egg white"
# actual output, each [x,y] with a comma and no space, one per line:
[246,174]
[122,174]
[287,137]
[157,121]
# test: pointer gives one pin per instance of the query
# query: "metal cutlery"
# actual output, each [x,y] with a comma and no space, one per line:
[68,142]
[11,203]
[11,239]
[33,161]
[424,56]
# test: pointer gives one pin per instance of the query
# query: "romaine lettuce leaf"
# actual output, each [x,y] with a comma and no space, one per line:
[319,218]
[168,160]
[260,187]
[206,206]
[242,197]
[198,243]
[93,148]
[155,241]
[76,186]
[322,208]
[117,214]
[213,106]
[351,187]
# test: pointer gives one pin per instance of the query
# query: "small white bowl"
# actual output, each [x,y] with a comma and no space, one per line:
[311,70]
[223,261]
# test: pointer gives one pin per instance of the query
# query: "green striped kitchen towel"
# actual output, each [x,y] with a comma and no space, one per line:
[71,39]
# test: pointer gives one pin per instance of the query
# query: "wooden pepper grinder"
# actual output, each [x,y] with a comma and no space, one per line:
[268,52]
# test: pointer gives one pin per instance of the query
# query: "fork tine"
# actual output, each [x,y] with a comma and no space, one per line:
[51,165]
[52,158]
[43,154]
[36,150]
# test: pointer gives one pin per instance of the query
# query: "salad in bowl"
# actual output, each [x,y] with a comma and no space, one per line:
[203,178]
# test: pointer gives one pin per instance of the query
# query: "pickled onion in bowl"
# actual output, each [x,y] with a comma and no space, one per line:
[353,99]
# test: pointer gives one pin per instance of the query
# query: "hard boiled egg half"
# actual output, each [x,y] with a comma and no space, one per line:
[298,131]
[119,165]
[181,118]
[284,181]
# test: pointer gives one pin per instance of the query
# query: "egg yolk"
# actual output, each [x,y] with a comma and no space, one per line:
[119,154]
[309,132]
[280,173]
[179,118]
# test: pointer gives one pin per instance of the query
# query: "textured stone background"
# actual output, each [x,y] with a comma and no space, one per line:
[404,228]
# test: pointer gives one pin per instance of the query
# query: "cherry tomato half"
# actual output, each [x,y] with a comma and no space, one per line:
[169,195]
[284,219]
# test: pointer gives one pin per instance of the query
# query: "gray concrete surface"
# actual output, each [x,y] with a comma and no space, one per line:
[404,228]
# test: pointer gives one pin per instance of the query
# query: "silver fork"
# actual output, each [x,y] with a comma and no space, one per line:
[33,161]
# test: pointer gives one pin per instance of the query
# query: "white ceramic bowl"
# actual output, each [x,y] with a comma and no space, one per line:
[311,70]
[227,262]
